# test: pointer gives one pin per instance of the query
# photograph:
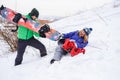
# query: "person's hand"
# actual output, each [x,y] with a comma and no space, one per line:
[45,28]
[17,17]
[2,7]
[60,37]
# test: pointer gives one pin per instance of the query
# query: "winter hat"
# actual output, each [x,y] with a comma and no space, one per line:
[87,30]
[34,12]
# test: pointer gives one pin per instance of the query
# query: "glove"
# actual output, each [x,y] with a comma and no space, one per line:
[17,17]
[2,7]
[45,28]
[42,34]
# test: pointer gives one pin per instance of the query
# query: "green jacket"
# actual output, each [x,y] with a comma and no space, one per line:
[25,33]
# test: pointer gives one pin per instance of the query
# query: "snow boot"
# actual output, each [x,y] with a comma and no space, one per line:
[52,61]
[42,55]
[17,63]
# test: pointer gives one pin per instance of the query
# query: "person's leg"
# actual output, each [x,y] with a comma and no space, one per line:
[21,49]
[38,45]
[59,52]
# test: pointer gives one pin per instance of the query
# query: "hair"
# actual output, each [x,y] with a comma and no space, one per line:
[85,38]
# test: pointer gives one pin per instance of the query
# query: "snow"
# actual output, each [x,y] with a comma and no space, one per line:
[53,7]
[100,62]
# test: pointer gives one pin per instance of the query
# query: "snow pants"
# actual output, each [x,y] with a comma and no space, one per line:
[22,44]
[59,52]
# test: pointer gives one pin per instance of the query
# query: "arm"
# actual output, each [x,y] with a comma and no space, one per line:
[81,44]
[68,35]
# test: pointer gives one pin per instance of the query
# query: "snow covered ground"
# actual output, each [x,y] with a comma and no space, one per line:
[101,61]
[53,7]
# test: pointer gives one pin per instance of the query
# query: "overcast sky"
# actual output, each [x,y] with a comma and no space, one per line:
[55,7]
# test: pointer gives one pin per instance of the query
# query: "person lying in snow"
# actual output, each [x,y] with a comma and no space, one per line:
[73,43]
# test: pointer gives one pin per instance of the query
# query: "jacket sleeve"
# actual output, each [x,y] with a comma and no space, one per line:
[68,35]
[81,45]
[36,34]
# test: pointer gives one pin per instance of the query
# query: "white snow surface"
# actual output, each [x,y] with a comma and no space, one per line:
[53,7]
[100,62]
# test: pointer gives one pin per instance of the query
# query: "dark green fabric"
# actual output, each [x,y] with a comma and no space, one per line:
[24,33]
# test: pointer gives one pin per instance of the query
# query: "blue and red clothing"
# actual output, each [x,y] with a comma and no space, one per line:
[75,36]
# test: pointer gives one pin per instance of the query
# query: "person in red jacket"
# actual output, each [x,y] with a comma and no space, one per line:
[73,43]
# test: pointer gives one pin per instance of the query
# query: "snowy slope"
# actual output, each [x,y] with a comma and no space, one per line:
[101,61]
[53,7]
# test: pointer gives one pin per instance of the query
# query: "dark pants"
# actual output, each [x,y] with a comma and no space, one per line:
[22,44]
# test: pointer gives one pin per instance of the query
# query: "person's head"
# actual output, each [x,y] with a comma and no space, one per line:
[85,33]
[34,13]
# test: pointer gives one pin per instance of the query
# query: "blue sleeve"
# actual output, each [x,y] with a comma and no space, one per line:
[81,45]
[68,35]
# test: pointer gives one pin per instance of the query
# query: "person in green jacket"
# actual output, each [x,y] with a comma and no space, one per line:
[26,37]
